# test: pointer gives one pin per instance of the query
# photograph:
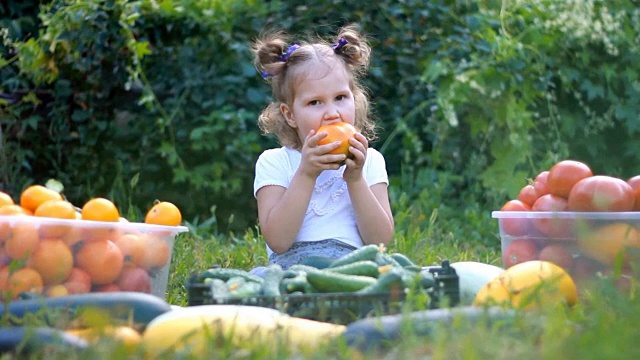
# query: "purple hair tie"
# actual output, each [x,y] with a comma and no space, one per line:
[287,54]
[341,43]
[283,58]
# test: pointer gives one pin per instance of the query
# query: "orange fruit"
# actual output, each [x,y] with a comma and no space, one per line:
[337,131]
[34,195]
[59,209]
[100,209]
[25,279]
[53,260]
[164,213]
[102,259]
[133,247]
[78,282]
[157,254]
[6,199]
[9,210]
[74,234]
[22,241]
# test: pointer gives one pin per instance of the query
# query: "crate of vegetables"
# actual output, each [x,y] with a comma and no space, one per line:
[366,282]
[587,224]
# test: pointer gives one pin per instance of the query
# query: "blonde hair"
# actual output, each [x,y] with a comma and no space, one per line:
[283,74]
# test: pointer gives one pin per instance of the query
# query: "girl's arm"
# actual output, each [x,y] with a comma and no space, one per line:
[371,203]
[281,211]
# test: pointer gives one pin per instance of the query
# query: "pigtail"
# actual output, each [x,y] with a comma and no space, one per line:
[355,50]
[267,51]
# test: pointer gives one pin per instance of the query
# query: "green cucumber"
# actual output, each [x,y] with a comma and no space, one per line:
[367,252]
[390,281]
[318,262]
[326,281]
[226,273]
[272,278]
[365,268]
[298,283]
[386,259]
[402,260]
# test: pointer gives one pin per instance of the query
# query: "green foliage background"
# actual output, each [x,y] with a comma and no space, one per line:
[138,100]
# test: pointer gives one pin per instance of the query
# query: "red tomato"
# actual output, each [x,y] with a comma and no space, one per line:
[601,193]
[540,184]
[515,227]
[564,175]
[528,194]
[551,226]
[558,255]
[518,251]
[634,182]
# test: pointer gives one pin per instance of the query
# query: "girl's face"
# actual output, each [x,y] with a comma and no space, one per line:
[322,96]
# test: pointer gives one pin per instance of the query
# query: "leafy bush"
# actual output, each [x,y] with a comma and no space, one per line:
[139,99]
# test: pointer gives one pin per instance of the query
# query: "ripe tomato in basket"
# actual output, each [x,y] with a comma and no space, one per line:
[635,185]
[601,193]
[519,251]
[565,174]
[552,226]
[515,226]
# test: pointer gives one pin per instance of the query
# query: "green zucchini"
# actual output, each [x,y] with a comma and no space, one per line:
[326,281]
[272,278]
[23,340]
[390,281]
[383,332]
[226,273]
[365,268]
[139,307]
[367,252]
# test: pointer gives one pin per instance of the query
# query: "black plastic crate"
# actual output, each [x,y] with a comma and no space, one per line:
[339,308]
[329,307]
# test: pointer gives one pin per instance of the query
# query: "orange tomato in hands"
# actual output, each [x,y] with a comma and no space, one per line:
[338,131]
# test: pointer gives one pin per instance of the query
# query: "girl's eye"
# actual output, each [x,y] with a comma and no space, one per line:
[314,102]
[340,97]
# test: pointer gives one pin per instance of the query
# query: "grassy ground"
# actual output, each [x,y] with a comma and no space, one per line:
[603,325]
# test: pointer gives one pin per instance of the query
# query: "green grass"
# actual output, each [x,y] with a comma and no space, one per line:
[604,324]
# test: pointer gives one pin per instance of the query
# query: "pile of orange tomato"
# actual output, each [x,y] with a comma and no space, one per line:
[50,247]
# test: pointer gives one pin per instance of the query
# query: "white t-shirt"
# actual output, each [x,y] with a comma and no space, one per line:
[330,214]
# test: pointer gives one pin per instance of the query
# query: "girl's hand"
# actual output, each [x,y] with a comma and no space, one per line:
[357,156]
[316,158]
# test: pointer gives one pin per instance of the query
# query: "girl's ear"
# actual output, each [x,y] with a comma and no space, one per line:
[288,115]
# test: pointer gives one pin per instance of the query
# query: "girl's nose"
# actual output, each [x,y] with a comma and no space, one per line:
[332,114]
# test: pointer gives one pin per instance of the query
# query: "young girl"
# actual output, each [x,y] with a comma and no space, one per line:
[309,203]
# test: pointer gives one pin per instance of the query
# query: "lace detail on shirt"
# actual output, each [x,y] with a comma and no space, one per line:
[329,206]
